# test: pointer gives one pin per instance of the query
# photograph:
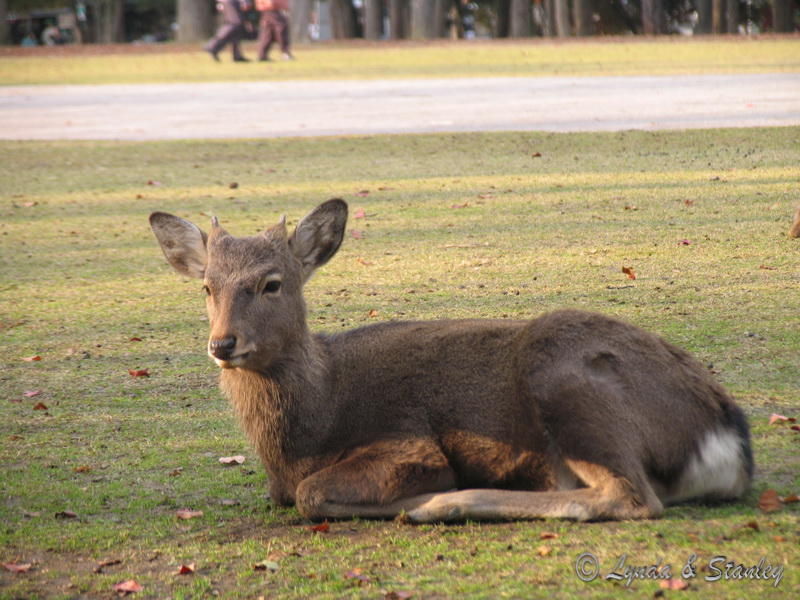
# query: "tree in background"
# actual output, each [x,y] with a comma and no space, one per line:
[4,32]
[195,20]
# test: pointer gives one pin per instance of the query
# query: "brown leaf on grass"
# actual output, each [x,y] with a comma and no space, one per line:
[139,372]
[153,182]
[36,358]
[360,214]
[795,427]
[536,155]
[40,406]
[362,193]
[778,538]
[397,595]
[685,243]
[185,569]
[794,232]
[66,514]
[776,418]
[673,584]
[464,205]
[364,262]
[187,514]
[767,268]
[32,393]
[232,460]
[30,204]
[769,501]
[790,499]
[357,575]
[548,535]
[629,272]
[135,339]
[373,313]
[106,563]
[385,188]
[357,234]
[544,550]
[323,527]
[688,202]
[15,400]
[82,469]
[127,587]
[233,185]
[17,567]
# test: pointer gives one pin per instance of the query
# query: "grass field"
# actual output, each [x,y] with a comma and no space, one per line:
[486,225]
[610,56]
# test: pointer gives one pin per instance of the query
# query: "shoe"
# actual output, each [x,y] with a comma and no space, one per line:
[288,56]
[241,59]
[213,55]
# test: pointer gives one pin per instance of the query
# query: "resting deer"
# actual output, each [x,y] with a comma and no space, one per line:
[572,414]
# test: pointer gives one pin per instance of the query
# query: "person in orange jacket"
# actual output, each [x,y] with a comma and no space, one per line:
[273,26]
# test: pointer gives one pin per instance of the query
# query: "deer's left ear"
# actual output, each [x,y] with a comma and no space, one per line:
[319,235]
[183,243]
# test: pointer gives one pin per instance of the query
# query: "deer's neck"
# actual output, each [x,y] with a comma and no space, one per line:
[285,412]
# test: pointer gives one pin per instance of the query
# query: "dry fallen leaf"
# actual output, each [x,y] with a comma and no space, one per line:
[364,262]
[106,563]
[790,499]
[139,372]
[32,358]
[464,205]
[769,501]
[82,469]
[66,514]
[629,272]
[135,339]
[233,185]
[232,460]
[320,527]
[673,584]
[357,234]
[185,569]
[536,155]
[362,193]
[359,214]
[17,567]
[776,418]
[128,587]
[543,550]
[548,535]
[186,514]
[357,575]
[266,565]
[40,406]
[32,393]
[373,313]
[397,595]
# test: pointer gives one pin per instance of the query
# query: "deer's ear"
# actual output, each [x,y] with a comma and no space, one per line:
[183,243]
[319,235]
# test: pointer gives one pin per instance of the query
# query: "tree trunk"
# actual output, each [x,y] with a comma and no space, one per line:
[398,19]
[519,18]
[501,11]
[732,16]
[582,13]
[561,17]
[783,15]
[652,17]
[109,17]
[439,25]
[717,16]
[343,19]
[423,17]
[299,19]
[704,16]
[195,20]
[373,19]
[5,38]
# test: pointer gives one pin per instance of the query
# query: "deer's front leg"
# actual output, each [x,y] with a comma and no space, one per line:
[378,480]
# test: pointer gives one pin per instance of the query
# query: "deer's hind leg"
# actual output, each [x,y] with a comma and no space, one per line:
[379,480]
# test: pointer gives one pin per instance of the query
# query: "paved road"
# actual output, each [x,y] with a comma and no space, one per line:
[273,109]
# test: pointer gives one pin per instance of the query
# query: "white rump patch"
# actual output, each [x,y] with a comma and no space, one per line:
[716,471]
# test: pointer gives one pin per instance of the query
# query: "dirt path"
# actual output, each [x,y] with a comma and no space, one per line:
[306,108]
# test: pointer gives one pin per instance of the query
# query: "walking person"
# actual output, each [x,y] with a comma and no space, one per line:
[232,29]
[273,26]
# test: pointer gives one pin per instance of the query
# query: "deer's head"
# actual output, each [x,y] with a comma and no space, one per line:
[253,285]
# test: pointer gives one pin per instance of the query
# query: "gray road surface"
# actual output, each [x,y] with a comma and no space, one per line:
[304,108]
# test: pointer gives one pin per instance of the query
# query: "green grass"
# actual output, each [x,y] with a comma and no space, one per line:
[172,63]
[457,225]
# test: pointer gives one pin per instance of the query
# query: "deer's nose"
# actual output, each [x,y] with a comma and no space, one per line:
[223,347]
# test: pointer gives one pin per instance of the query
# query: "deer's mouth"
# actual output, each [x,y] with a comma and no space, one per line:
[232,362]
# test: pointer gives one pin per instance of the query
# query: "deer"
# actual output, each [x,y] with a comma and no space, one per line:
[570,415]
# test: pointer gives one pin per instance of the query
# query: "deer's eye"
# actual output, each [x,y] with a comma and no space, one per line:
[272,287]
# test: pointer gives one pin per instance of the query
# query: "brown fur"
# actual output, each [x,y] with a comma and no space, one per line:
[572,414]
[794,231]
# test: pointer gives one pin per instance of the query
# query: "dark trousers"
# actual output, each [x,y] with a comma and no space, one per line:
[272,27]
[229,33]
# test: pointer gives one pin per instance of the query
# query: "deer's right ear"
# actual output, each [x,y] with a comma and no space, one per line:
[183,243]
[319,235]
